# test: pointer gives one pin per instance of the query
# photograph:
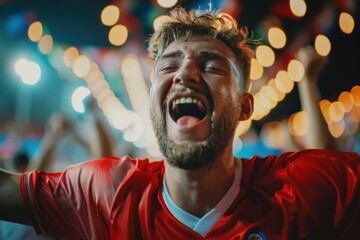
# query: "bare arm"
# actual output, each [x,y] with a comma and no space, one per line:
[103,144]
[55,129]
[99,140]
[11,204]
[318,135]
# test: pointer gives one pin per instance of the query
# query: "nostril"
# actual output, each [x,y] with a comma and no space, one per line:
[176,80]
[186,78]
[187,73]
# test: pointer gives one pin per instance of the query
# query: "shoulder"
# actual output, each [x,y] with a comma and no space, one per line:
[304,167]
[331,163]
[312,158]
[318,186]
[329,156]
[98,178]
[113,167]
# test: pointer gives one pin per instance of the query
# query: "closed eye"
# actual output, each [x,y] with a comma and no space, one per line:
[214,69]
[167,68]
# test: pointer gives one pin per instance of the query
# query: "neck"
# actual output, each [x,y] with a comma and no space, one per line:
[198,191]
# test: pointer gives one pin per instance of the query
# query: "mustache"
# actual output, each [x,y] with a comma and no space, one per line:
[178,92]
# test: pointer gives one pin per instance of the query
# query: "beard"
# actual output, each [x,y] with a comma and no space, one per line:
[193,156]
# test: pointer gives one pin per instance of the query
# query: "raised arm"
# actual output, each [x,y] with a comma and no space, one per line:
[56,127]
[318,135]
[99,140]
[11,204]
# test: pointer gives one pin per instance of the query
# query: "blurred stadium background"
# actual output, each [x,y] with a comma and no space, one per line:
[55,54]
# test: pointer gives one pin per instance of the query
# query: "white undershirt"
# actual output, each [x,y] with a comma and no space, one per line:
[203,225]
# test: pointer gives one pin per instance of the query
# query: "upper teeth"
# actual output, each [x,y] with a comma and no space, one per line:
[184,100]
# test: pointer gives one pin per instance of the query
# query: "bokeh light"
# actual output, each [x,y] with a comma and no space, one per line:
[70,54]
[355,92]
[242,127]
[337,128]
[322,45]
[283,82]
[19,65]
[347,100]
[273,133]
[134,131]
[296,70]
[264,100]
[118,35]
[46,44]
[153,149]
[160,20]
[116,114]
[299,123]
[280,94]
[346,23]
[35,31]
[29,71]
[277,37]
[135,86]
[167,3]
[78,97]
[324,107]
[110,15]
[265,55]
[336,111]
[81,66]
[256,70]
[298,7]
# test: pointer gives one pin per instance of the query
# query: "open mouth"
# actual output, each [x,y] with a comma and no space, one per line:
[187,108]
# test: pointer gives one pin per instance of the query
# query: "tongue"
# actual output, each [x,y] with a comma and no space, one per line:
[187,121]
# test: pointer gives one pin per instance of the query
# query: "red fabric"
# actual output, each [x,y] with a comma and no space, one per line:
[312,194]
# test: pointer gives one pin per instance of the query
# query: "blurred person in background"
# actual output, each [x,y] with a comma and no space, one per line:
[98,141]
[277,133]
[20,162]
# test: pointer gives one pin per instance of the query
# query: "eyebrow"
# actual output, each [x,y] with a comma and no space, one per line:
[205,54]
[174,54]
[212,55]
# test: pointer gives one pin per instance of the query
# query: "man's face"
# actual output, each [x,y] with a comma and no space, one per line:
[196,102]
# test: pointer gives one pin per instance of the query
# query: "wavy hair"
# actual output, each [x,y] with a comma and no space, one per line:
[189,25]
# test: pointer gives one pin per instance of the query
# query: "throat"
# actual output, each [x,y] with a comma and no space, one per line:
[199,197]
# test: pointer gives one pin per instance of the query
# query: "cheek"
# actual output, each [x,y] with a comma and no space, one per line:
[225,93]
[158,94]
[228,94]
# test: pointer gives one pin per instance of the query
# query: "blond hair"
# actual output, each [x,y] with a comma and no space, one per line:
[184,25]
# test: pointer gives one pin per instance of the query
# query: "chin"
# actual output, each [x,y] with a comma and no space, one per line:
[197,155]
[189,156]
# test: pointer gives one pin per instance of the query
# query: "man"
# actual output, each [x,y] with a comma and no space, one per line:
[200,191]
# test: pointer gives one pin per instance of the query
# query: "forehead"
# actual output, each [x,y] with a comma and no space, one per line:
[193,48]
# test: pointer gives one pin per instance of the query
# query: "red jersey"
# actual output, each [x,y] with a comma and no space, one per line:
[311,194]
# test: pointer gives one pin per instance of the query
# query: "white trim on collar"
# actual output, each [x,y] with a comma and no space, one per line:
[203,225]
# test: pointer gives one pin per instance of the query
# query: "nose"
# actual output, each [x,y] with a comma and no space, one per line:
[187,73]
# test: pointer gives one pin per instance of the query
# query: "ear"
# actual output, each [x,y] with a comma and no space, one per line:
[247,106]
